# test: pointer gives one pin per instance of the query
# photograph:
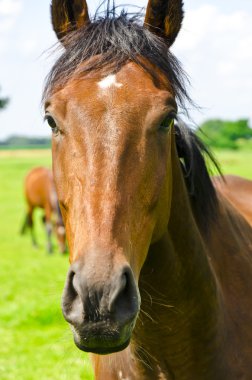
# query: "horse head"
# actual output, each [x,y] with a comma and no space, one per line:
[111,101]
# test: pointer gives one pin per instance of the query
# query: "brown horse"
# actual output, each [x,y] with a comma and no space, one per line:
[40,192]
[238,191]
[161,265]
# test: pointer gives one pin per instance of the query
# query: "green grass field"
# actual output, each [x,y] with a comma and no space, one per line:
[235,162]
[36,342]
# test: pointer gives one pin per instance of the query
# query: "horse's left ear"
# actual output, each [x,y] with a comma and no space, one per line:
[68,15]
[164,18]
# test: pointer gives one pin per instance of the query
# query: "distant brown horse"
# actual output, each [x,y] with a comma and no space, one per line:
[160,281]
[238,191]
[40,193]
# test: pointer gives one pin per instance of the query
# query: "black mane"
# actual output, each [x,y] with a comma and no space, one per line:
[117,40]
[193,155]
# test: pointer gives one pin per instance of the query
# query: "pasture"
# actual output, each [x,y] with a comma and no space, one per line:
[235,162]
[36,342]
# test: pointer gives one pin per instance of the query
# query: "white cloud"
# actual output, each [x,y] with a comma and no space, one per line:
[10,7]
[196,26]
[6,24]
[217,50]
[9,11]
[208,24]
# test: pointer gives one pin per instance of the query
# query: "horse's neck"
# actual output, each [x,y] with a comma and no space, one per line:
[118,366]
[177,332]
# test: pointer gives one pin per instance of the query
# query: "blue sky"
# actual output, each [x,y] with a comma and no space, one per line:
[215,47]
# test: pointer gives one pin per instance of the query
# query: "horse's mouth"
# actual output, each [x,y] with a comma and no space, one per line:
[102,350]
[102,341]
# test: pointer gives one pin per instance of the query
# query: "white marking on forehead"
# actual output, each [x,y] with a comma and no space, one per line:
[109,81]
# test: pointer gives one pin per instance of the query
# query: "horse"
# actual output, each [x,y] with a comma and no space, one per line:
[160,277]
[40,192]
[238,191]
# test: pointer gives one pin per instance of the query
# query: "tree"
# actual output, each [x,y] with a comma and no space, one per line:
[224,133]
[3,102]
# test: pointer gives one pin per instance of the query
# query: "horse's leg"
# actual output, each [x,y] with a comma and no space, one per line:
[49,228]
[30,224]
[24,225]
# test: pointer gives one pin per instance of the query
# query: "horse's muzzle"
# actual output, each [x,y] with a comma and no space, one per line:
[102,310]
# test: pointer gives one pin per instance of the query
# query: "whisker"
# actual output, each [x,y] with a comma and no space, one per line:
[140,352]
[148,316]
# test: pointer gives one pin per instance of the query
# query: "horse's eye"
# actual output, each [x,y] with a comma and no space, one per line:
[52,124]
[167,123]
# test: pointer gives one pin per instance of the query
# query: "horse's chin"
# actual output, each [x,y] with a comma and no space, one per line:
[98,340]
[102,350]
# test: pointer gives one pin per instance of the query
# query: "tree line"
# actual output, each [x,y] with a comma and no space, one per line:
[16,142]
[226,134]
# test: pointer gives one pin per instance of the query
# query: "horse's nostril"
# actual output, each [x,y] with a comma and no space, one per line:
[124,299]
[85,300]
[75,285]
[124,282]
[120,288]
[72,284]
[69,295]
[72,301]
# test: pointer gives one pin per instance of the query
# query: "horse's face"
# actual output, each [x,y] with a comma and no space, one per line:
[110,160]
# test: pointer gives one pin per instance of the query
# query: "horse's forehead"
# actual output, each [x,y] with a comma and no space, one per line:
[128,97]
[131,84]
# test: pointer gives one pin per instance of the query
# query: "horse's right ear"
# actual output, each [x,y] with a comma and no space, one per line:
[68,15]
[164,18]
